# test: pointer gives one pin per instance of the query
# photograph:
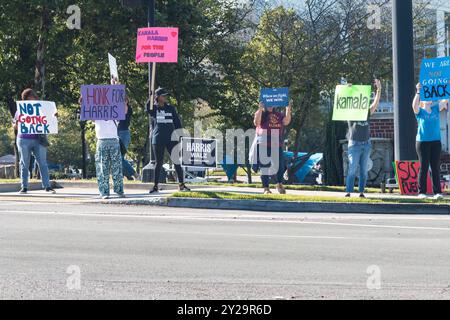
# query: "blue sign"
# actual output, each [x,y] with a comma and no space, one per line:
[276,97]
[435,79]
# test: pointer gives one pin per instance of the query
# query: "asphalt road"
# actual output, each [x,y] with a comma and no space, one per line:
[75,251]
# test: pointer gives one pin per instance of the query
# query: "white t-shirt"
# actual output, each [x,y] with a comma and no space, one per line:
[106,129]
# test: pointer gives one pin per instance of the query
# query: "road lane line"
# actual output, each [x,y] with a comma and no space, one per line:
[225,219]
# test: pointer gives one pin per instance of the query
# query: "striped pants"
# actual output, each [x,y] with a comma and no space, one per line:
[108,161]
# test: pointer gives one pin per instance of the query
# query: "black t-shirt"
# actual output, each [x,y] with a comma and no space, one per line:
[359,130]
[125,124]
[165,121]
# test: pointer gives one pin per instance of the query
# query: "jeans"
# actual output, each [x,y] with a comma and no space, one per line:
[158,153]
[128,170]
[358,155]
[107,162]
[274,167]
[27,147]
[430,157]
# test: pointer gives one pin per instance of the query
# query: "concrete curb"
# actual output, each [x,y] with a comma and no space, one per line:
[33,186]
[294,207]
[159,201]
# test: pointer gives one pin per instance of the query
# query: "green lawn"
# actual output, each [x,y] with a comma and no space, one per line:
[297,198]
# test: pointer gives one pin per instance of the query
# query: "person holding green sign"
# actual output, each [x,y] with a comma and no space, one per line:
[428,142]
[360,147]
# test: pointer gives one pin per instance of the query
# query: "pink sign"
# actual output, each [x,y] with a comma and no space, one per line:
[157,45]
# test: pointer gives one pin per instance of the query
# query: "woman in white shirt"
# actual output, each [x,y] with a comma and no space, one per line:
[108,157]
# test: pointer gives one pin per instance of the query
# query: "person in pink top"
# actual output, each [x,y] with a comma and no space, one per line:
[270,136]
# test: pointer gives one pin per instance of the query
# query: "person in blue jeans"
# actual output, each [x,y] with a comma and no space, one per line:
[124,133]
[360,148]
[31,145]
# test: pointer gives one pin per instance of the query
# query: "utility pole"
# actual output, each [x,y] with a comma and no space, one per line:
[150,167]
[151,22]
[404,83]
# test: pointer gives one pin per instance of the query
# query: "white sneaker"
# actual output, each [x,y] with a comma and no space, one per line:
[422,196]
[438,197]
[105,197]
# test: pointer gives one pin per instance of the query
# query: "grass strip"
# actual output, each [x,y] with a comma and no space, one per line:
[298,198]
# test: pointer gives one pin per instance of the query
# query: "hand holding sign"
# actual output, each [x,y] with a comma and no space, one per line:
[157,45]
[37,117]
[103,102]
[275,97]
[435,79]
[351,103]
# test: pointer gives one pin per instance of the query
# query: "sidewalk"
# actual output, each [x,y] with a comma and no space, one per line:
[137,194]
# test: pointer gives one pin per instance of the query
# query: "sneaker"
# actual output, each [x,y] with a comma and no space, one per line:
[121,195]
[362,196]
[105,197]
[182,188]
[348,195]
[281,189]
[422,196]
[438,197]
[267,191]
[23,191]
[50,190]
[154,190]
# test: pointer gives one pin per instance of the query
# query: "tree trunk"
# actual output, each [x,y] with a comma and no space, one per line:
[39,76]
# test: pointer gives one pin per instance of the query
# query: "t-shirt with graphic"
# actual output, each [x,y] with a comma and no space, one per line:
[429,125]
[165,121]
[271,125]
[358,131]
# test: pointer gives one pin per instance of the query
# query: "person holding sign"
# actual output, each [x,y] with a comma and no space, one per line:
[269,144]
[33,143]
[360,147]
[108,156]
[165,121]
[428,142]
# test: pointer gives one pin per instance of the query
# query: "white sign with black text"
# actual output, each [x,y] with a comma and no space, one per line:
[198,152]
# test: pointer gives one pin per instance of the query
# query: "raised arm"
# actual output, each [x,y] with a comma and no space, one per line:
[416,102]
[258,115]
[376,102]
[288,118]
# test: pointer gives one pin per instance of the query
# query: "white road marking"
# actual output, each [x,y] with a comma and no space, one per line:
[224,219]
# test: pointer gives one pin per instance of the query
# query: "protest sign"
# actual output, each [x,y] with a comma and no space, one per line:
[103,102]
[274,97]
[351,103]
[435,77]
[198,153]
[157,45]
[113,71]
[407,173]
[37,117]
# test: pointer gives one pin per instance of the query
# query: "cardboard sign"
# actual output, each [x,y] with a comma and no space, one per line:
[435,79]
[158,45]
[113,71]
[198,153]
[103,102]
[352,103]
[37,117]
[407,173]
[275,97]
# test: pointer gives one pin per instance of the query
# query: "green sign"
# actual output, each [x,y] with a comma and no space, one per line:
[351,103]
